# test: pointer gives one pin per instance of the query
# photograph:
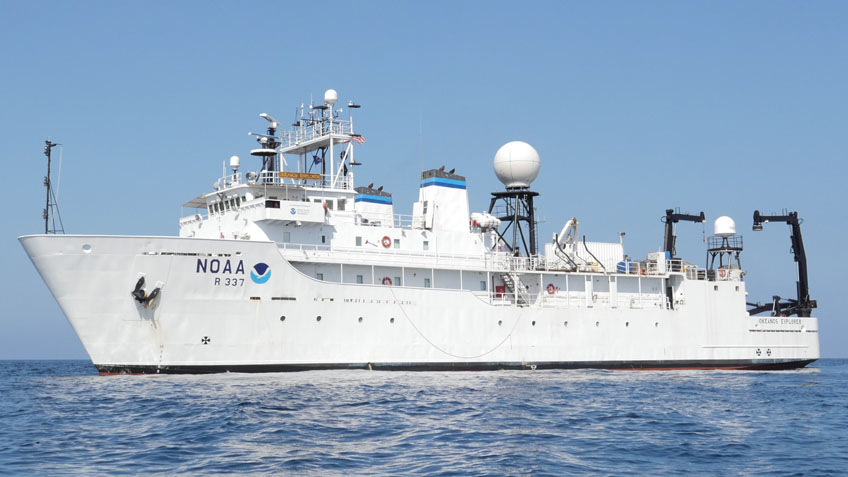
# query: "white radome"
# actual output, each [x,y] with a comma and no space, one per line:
[330,97]
[724,226]
[517,164]
[235,162]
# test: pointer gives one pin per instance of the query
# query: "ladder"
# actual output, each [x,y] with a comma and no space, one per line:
[517,288]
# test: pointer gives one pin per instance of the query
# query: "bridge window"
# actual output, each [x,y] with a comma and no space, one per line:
[482,285]
[320,276]
[426,283]
[358,241]
[359,279]
[341,204]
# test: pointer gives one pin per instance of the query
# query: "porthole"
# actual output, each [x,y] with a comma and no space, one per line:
[86,248]
[318,318]
[533,323]
[283,318]
[391,320]
[597,323]
[360,319]
[500,322]
[626,324]
[656,324]
[564,323]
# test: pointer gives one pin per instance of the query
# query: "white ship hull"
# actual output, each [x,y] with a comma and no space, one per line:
[212,317]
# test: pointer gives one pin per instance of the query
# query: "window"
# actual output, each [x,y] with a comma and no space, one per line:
[286,237]
[359,279]
[320,276]
[397,281]
[323,239]
[424,208]
[482,285]
[397,243]
[426,245]
[341,204]
[317,201]
[358,241]
[329,204]
[426,283]
[227,204]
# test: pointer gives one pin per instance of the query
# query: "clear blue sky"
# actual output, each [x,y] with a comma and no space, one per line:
[634,107]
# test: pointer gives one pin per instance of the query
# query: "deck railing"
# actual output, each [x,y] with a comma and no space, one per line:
[497,262]
[298,135]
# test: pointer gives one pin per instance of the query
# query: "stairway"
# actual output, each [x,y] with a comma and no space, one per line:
[517,288]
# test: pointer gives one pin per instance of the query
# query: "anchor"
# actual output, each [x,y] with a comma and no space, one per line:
[141,296]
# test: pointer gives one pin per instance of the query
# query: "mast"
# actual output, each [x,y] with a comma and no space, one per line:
[51,208]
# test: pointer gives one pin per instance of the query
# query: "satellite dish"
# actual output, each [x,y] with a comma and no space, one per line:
[235,162]
[331,97]
[724,226]
[517,164]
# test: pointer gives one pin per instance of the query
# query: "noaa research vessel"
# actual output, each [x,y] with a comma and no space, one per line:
[292,267]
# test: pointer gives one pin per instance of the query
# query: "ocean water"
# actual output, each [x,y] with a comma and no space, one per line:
[59,417]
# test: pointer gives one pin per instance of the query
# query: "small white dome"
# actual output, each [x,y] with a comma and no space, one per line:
[517,164]
[724,226]
[330,97]
[235,162]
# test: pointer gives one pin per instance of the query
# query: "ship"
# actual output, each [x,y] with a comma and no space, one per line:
[292,267]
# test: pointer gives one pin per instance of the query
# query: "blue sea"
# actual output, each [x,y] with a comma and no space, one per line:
[59,417]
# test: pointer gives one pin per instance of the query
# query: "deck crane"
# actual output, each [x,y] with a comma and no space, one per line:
[671,218]
[803,305]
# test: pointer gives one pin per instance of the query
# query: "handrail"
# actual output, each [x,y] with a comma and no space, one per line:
[307,133]
[273,178]
[495,262]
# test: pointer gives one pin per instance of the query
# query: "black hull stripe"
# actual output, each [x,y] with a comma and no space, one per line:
[764,365]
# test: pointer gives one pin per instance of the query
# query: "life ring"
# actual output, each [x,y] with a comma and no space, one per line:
[387,281]
[387,242]
[551,289]
[722,272]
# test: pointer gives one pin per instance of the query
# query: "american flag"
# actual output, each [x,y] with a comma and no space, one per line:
[359,139]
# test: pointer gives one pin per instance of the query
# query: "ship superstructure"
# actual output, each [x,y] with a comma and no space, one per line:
[294,267]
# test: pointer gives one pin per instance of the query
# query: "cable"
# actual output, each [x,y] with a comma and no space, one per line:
[443,351]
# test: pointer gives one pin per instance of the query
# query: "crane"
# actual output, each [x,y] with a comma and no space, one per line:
[671,218]
[803,305]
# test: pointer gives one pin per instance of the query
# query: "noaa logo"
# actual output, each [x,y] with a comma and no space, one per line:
[260,273]
[293,211]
